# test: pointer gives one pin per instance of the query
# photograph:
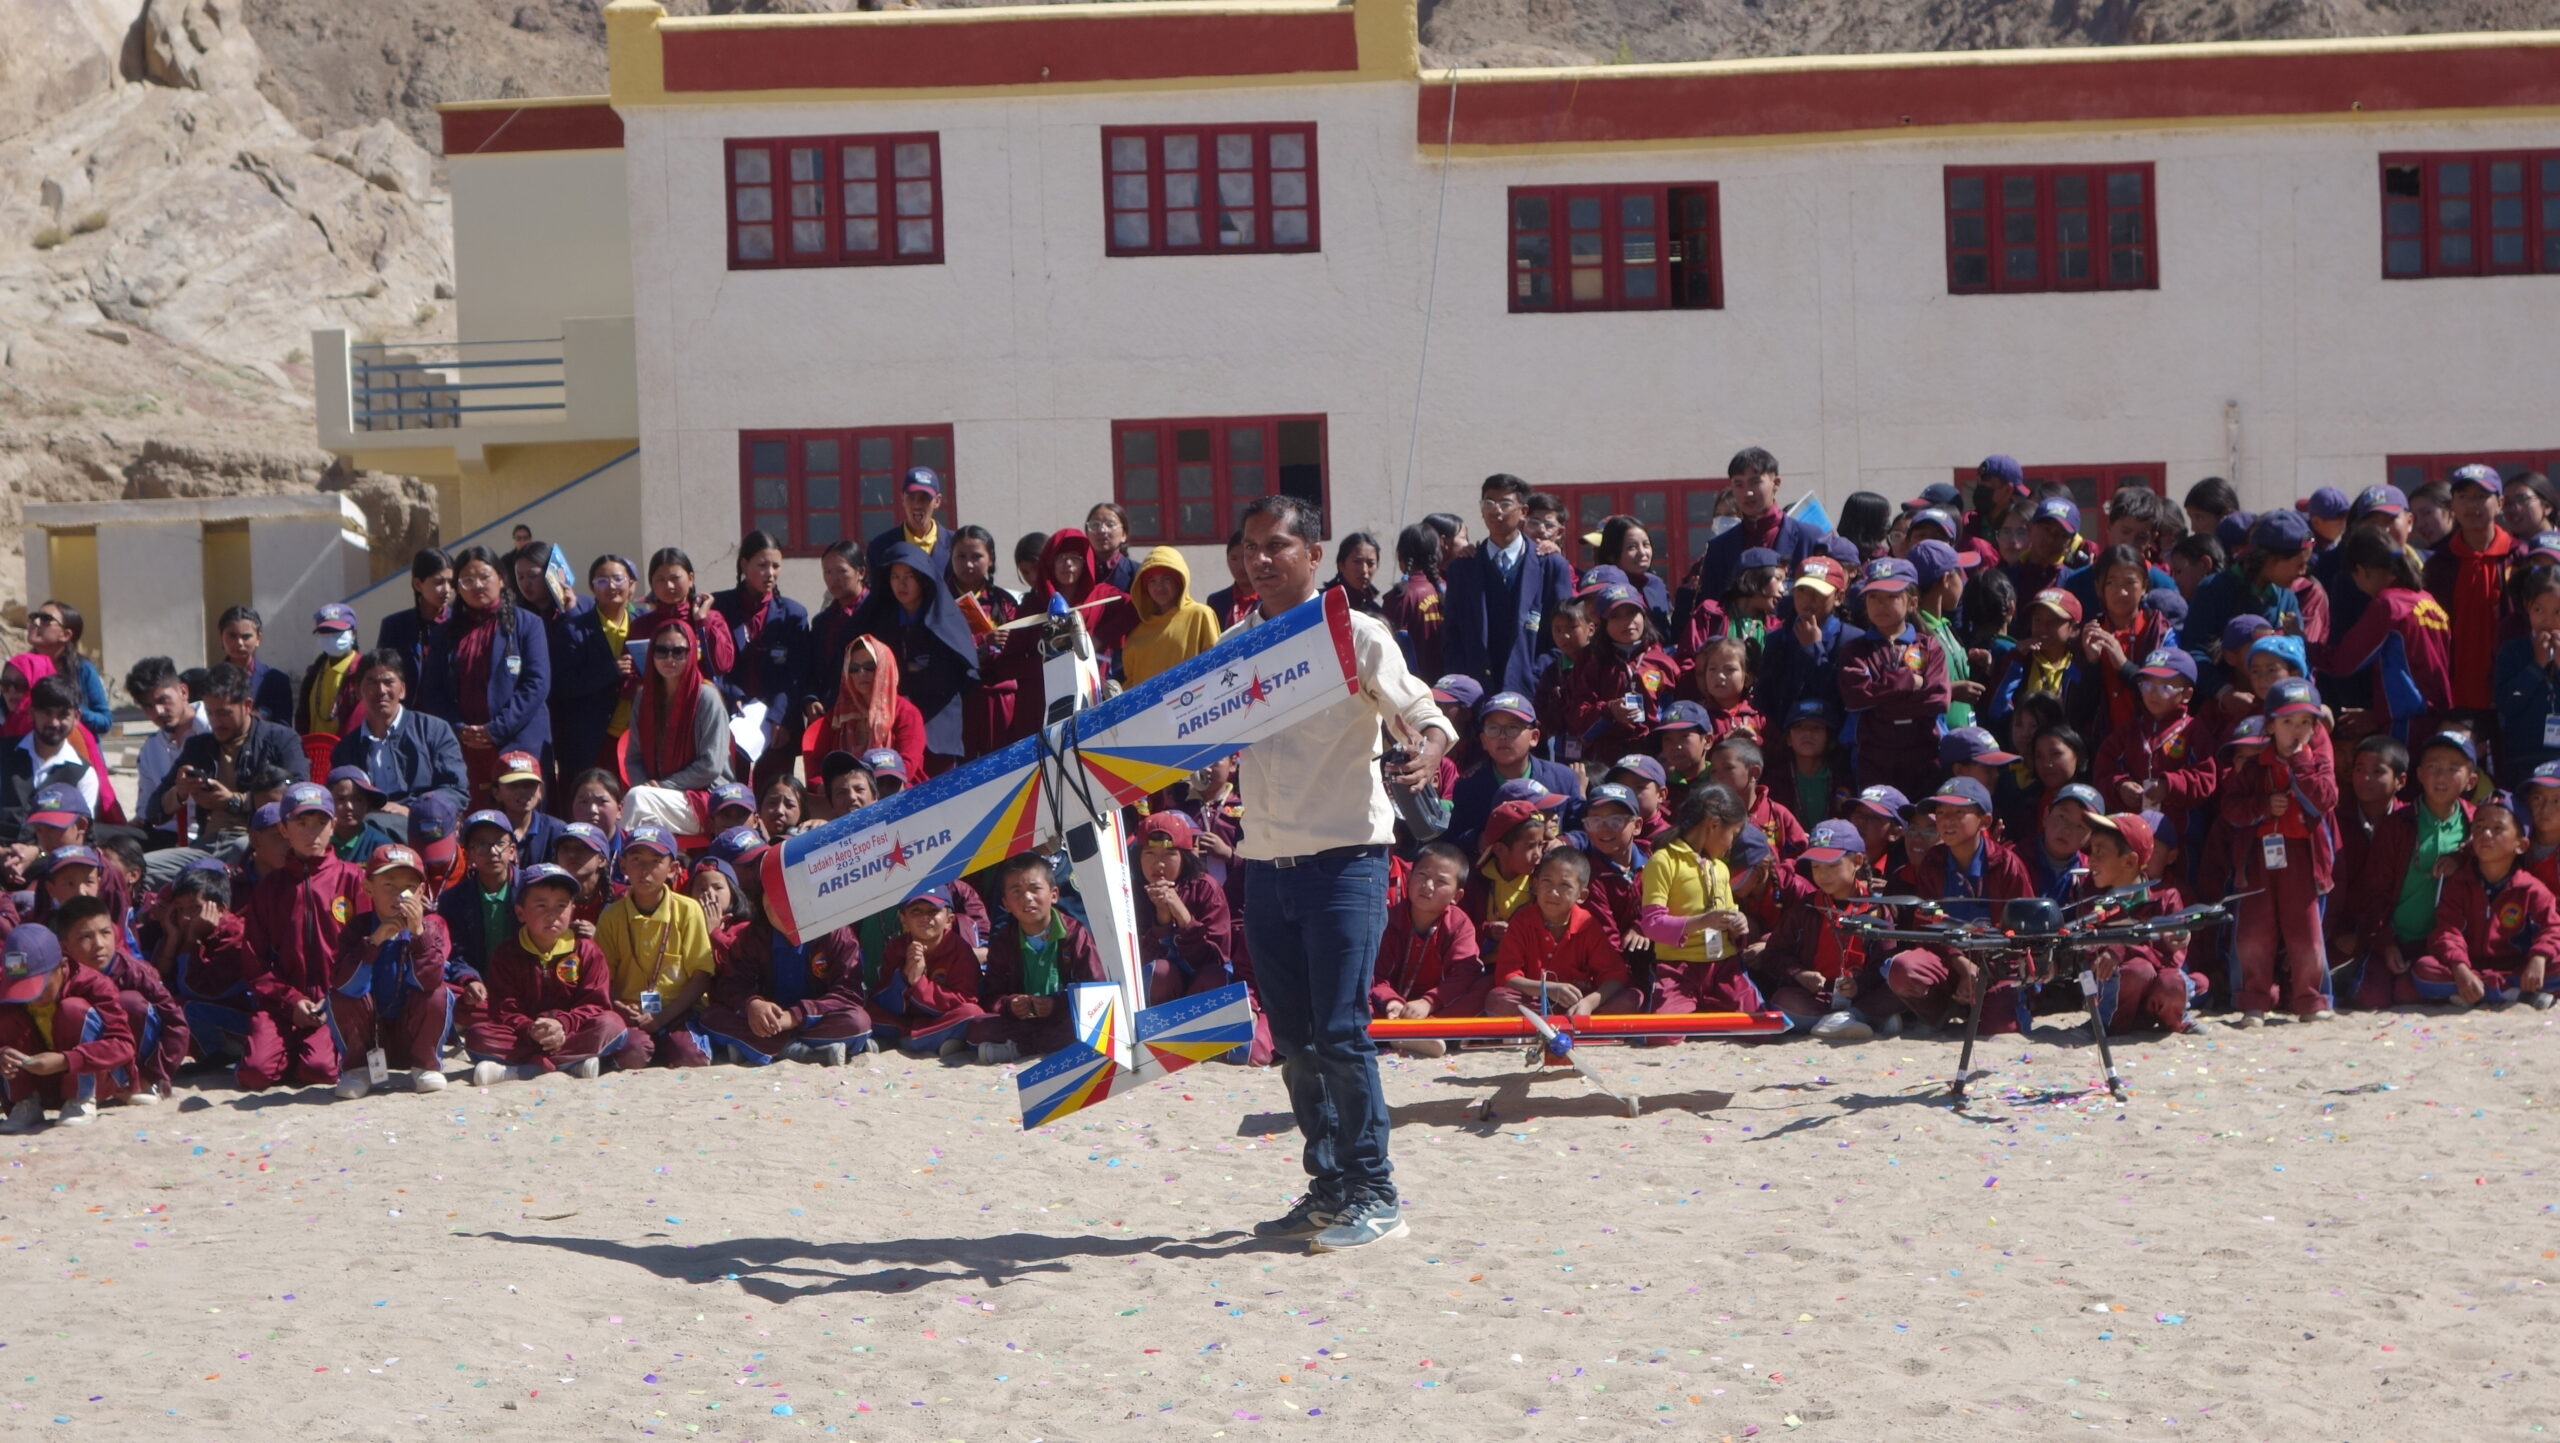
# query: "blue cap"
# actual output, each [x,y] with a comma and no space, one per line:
[1833,840]
[336,616]
[1527,789]
[1750,848]
[1939,517]
[922,478]
[2543,543]
[2241,631]
[1942,494]
[2168,663]
[1613,596]
[1812,709]
[2545,775]
[2296,696]
[1932,560]
[59,804]
[587,834]
[2060,509]
[362,778]
[1888,574]
[71,857]
[938,896]
[2247,731]
[736,842]
[2459,741]
[305,797]
[2083,793]
[486,817]
[431,823]
[648,837]
[2476,474]
[28,955]
[1458,690]
[1962,792]
[1603,575]
[1507,703]
[1612,794]
[2379,501]
[885,762]
[1972,745]
[1684,716]
[2232,531]
[1759,556]
[2003,468]
[1886,802]
[543,874]
[2326,504]
[2280,533]
[1649,768]
[2166,602]
[731,794]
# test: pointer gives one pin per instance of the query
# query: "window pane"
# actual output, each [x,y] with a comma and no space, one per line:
[773,493]
[1246,482]
[816,456]
[2124,266]
[2071,190]
[1300,443]
[1532,250]
[1529,212]
[776,522]
[1235,187]
[2506,212]
[2401,180]
[809,237]
[2551,252]
[1138,445]
[2017,190]
[1128,192]
[930,450]
[875,453]
[1137,483]
[2020,264]
[2124,187]
[1289,187]
[1129,229]
[1199,518]
[1700,509]
[1635,247]
[2506,177]
[1965,193]
[1146,523]
[862,235]
[804,162]
[1288,227]
[915,197]
[751,167]
[876,489]
[1182,152]
[808,200]
[861,162]
[1638,283]
[1967,230]
[2403,217]
[915,158]
[1191,443]
[1235,152]
[2453,250]
[915,237]
[767,458]
[1244,443]
[2124,227]
[2071,227]
[1288,151]
[1973,269]
[824,493]
[1182,228]
[2018,227]
[1128,152]
[2551,175]
[1182,190]
[1635,210]
[1190,480]
[2506,249]
[2073,263]
[755,242]
[1235,227]
[862,198]
[2453,214]
[826,528]
[755,203]
[2453,177]
[1582,212]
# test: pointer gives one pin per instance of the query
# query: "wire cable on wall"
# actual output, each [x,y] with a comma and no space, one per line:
[1430,304]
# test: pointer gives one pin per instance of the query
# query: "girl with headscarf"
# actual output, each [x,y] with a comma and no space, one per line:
[673,597]
[1171,626]
[1067,579]
[489,674]
[868,710]
[937,658]
[678,745]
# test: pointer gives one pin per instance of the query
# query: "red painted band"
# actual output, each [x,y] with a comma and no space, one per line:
[1337,621]
[531,127]
[1988,92]
[1011,52]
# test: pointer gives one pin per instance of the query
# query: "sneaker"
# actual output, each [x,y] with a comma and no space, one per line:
[2193,1025]
[27,1116]
[1426,1047]
[2323,1015]
[1843,1027]
[829,1054]
[2541,1001]
[795,1052]
[587,1068]
[953,1047]
[998,1053]
[1367,1220]
[488,1074]
[1892,1026]
[78,1112]
[2253,1019]
[1305,1218]
[427,1079]
[148,1094]
[353,1086]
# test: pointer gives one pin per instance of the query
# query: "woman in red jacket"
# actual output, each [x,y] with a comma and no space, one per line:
[868,710]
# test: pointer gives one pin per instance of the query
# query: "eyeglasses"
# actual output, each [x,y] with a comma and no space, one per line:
[43,618]
[1611,823]
[855,666]
[674,653]
[1503,731]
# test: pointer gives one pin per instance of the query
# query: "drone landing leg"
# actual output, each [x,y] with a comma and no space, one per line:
[2098,1030]
[1972,1031]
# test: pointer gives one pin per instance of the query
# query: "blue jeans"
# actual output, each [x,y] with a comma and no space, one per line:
[1314,930]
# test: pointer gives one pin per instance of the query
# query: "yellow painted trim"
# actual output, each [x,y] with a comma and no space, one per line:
[407,460]
[1385,32]
[1933,133]
[539,102]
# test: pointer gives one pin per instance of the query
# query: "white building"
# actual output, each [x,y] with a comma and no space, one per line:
[968,237]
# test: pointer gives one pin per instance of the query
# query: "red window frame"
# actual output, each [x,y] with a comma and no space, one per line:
[1186,482]
[1263,174]
[776,185]
[2409,472]
[813,488]
[1667,241]
[1678,516]
[2020,228]
[2091,486]
[2470,213]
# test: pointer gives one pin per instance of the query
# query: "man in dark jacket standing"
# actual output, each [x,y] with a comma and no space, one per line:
[1499,598]
[1752,480]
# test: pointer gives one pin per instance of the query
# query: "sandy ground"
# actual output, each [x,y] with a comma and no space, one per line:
[2344,1231]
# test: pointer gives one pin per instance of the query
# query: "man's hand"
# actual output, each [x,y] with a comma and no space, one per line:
[549,1035]
[472,736]
[1424,769]
[1966,691]
[764,1018]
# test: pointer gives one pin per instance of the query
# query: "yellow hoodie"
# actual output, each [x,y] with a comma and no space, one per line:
[1167,636]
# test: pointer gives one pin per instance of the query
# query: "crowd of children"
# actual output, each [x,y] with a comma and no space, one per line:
[526,826]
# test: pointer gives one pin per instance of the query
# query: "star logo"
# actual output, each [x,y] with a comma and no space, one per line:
[898,855]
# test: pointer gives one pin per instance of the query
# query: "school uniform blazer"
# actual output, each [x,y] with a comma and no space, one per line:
[777,666]
[1492,635]
[586,681]
[519,682]
[272,693]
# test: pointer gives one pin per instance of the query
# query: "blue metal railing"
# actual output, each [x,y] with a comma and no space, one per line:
[494,528]
[434,386]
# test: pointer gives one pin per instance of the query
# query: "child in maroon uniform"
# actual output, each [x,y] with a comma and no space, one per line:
[2542,847]
[1815,973]
[2140,983]
[550,991]
[2391,903]
[1622,680]
[1514,841]
[1030,966]
[1893,679]
[2497,930]
[1967,871]
[1428,965]
[1736,763]
[1184,931]
[931,973]
[63,1041]
[79,875]
[776,998]
[391,991]
[2276,801]
[295,921]
[2377,776]
[1556,957]
[1723,682]
[1608,839]
[2160,760]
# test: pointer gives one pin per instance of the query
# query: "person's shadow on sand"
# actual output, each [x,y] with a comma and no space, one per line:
[778,1270]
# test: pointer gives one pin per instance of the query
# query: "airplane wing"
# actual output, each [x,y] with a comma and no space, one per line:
[1247,687]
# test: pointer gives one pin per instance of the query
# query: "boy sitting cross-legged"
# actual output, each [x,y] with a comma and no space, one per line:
[1556,955]
[550,991]
[1030,966]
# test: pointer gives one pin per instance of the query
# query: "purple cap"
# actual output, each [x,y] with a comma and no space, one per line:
[2248,731]
[731,794]
[336,616]
[303,797]
[1759,556]
[736,842]
[2003,469]
[59,804]
[2280,533]
[648,837]
[1812,709]
[1684,716]
[1962,792]
[362,779]
[922,478]
[2295,696]
[431,827]
[2544,544]
[543,874]
[2232,531]
[2379,501]
[1611,597]
[2241,631]
[1458,690]
[2545,775]
[2476,474]
[587,834]
[2083,793]
[2168,663]
[885,762]
[1507,703]
[71,857]
[1649,768]
[268,815]
[1833,840]
[1972,745]
[1886,802]
[2459,741]
[1942,494]
[1888,574]
[1610,794]
[28,955]
[2166,602]
[1750,848]
[1603,575]
[1932,560]
[2326,504]
[938,896]
[1939,517]
[1527,789]
[2059,509]
[486,817]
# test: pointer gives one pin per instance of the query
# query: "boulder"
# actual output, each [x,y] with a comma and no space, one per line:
[199,45]
[56,54]
[384,155]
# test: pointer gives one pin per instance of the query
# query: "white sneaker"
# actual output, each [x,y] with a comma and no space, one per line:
[588,1068]
[2194,1025]
[829,1054]
[147,1095]
[1424,1047]
[2253,1019]
[998,1053]
[27,1116]
[1843,1027]
[488,1074]
[2323,1015]
[78,1112]
[427,1079]
[2541,1000]
[353,1086]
